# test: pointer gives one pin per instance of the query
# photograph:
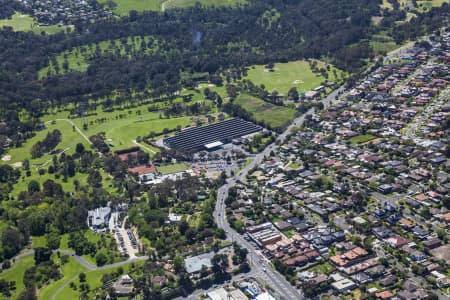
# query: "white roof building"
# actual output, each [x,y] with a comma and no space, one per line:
[98,218]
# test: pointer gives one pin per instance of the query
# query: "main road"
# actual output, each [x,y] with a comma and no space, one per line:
[260,264]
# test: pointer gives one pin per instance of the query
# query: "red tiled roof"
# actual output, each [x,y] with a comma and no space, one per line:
[384,295]
[421,197]
[142,170]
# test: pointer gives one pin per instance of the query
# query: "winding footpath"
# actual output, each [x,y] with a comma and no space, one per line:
[90,267]
[143,146]
[74,126]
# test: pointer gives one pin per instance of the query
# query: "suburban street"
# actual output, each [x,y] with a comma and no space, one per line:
[425,115]
[263,270]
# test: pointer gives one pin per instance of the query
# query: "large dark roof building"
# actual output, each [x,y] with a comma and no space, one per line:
[199,138]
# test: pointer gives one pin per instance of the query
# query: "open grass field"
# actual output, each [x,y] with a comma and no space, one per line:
[121,128]
[78,58]
[427,4]
[23,22]
[89,234]
[69,270]
[67,186]
[16,272]
[275,116]
[93,278]
[38,242]
[287,75]
[323,268]
[360,139]
[125,6]
[121,131]
[208,3]
[354,295]
[383,47]
[173,168]
[69,139]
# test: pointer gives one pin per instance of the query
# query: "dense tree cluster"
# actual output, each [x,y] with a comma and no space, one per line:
[42,272]
[6,287]
[12,241]
[98,141]
[81,245]
[150,217]
[8,8]
[260,33]
[425,23]
[8,177]
[49,143]
[62,212]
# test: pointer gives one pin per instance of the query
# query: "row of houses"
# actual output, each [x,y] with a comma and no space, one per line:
[368,168]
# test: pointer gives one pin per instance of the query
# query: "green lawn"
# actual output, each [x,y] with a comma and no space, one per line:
[16,272]
[208,3]
[93,278]
[287,75]
[375,284]
[67,186]
[121,131]
[294,165]
[69,139]
[38,242]
[89,234]
[427,4]
[361,139]
[355,295]
[173,168]
[324,268]
[68,142]
[289,233]
[78,58]
[23,22]
[70,269]
[64,244]
[273,115]
[383,47]
[221,90]
[125,6]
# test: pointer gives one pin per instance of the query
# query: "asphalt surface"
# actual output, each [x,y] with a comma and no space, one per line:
[260,264]
[426,114]
[82,262]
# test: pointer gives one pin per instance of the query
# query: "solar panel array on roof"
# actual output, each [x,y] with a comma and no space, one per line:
[194,139]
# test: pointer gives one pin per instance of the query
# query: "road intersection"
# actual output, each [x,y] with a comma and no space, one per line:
[266,273]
